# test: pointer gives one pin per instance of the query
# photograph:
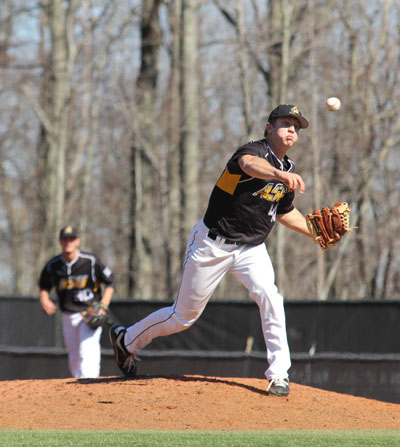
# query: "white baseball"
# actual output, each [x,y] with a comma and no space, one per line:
[333,104]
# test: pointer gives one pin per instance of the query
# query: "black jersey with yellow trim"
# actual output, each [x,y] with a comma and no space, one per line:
[77,283]
[243,208]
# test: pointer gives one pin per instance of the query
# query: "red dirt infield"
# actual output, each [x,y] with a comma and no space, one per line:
[183,403]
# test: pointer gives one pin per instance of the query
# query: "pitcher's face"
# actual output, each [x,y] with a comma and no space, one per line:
[283,134]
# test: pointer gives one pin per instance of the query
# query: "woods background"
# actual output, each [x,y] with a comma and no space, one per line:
[119,115]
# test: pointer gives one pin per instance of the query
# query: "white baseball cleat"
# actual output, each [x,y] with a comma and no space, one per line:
[279,387]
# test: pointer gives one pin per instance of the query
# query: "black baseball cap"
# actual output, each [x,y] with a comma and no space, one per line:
[68,231]
[289,110]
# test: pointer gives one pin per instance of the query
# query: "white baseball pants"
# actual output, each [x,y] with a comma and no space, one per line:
[83,346]
[206,262]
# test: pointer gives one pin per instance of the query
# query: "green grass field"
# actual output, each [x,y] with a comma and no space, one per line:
[39,438]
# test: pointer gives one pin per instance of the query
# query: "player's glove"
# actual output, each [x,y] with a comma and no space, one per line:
[95,318]
[325,224]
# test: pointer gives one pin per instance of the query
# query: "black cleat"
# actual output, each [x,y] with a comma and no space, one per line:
[279,387]
[125,360]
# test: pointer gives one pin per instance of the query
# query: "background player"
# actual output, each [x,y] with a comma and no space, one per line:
[76,277]
[256,188]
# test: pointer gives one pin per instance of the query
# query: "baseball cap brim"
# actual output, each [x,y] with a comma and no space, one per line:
[289,110]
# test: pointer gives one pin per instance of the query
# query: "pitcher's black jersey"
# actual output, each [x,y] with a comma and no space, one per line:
[243,208]
[77,283]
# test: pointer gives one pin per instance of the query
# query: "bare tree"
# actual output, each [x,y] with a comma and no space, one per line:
[189,145]
[52,110]
[174,244]
[143,158]
[87,86]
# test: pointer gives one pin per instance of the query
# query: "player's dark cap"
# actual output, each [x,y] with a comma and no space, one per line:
[68,231]
[289,110]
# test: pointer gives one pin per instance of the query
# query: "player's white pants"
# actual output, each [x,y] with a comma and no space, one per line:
[83,346]
[206,262]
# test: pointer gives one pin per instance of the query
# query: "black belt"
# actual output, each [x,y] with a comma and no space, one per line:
[214,236]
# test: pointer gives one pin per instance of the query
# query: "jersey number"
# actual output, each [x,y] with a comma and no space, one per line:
[84,295]
[272,212]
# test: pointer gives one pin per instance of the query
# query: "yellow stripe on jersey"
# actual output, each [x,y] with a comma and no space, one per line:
[228,182]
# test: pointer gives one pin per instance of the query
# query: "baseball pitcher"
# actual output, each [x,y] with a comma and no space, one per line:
[255,190]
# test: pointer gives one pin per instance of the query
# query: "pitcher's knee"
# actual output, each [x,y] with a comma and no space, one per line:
[184,321]
[268,299]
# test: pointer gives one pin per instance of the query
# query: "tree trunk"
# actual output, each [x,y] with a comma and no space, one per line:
[53,136]
[243,70]
[143,161]
[189,144]
[174,242]
[315,147]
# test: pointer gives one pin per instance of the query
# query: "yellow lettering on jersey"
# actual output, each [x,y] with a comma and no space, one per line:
[78,282]
[271,192]
[81,282]
[228,182]
[264,192]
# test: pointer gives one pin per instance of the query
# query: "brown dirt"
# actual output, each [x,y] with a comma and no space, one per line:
[183,403]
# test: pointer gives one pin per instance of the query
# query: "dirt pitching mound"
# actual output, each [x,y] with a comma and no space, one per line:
[183,403]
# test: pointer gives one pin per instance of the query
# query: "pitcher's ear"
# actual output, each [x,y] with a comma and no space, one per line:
[268,128]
